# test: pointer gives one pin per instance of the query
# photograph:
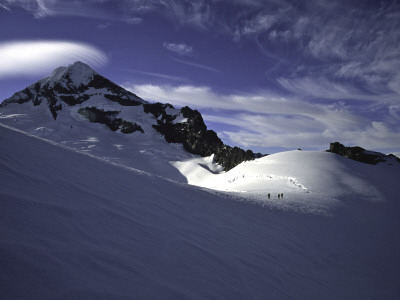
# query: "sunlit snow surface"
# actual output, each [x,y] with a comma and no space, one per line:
[313,182]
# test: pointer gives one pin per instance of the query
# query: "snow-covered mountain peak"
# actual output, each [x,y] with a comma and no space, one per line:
[71,86]
[80,67]
[57,74]
[75,75]
[72,77]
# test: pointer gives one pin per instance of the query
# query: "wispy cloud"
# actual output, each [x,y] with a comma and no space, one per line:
[95,9]
[322,55]
[39,8]
[348,43]
[3,6]
[142,5]
[159,75]
[255,25]
[320,88]
[263,119]
[103,26]
[178,48]
[195,13]
[26,58]
[195,65]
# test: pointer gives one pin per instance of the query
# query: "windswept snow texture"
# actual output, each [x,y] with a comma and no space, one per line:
[310,181]
[78,227]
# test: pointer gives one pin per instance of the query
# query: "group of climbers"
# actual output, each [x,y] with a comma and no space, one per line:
[280,196]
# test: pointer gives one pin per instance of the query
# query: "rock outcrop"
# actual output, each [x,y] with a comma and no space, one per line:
[110,119]
[360,154]
[194,135]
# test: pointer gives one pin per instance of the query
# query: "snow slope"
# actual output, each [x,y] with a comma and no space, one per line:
[313,182]
[50,108]
[310,181]
[74,226]
[149,152]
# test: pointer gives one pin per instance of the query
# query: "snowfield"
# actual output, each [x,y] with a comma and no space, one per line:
[148,152]
[78,226]
[91,213]
[311,182]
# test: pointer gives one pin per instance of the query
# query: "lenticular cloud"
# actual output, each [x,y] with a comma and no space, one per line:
[26,58]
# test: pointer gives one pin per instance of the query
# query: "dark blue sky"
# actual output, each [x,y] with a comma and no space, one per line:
[267,75]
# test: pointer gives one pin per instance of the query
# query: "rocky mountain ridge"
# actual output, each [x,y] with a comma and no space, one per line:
[361,155]
[78,84]
[98,100]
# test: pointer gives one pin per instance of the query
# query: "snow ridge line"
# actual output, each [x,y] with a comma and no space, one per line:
[63,146]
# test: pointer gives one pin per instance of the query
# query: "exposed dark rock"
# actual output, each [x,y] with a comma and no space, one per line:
[54,108]
[230,157]
[394,157]
[128,127]
[72,100]
[108,118]
[72,93]
[26,95]
[122,99]
[359,154]
[194,135]
[157,109]
[259,155]
[20,97]
[96,115]
[37,100]
[52,101]
[117,93]
[100,82]
[75,94]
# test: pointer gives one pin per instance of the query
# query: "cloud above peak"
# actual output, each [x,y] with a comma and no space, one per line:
[95,9]
[39,8]
[178,48]
[33,58]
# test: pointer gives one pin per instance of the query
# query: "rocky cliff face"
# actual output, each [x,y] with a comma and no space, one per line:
[195,136]
[78,86]
[110,119]
[360,154]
